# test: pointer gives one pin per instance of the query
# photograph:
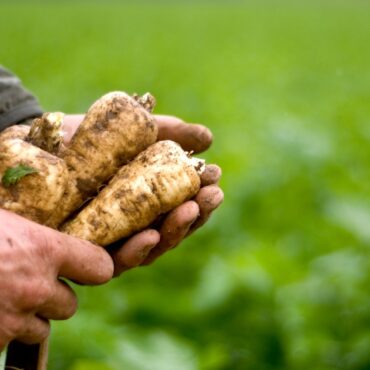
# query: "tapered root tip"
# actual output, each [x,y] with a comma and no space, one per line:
[46,132]
[147,101]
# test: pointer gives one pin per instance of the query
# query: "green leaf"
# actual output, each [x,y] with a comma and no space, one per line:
[13,174]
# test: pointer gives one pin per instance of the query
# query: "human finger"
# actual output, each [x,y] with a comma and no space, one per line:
[211,175]
[174,228]
[62,303]
[70,124]
[134,251]
[79,260]
[191,137]
[36,329]
[208,198]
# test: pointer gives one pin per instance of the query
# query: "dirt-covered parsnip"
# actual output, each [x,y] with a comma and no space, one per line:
[156,181]
[115,129]
[32,180]
[15,132]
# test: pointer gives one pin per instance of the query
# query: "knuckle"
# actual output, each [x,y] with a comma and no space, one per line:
[36,236]
[40,245]
[43,244]
[27,293]
[36,332]
[12,326]
[44,292]
[34,293]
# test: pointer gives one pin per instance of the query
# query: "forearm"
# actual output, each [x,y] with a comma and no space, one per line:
[16,103]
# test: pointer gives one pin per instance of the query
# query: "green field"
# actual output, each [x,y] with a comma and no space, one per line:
[279,279]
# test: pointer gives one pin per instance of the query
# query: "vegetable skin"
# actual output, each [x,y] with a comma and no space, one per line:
[46,133]
[15,132]
[116,128]
[37,195]
[156,181]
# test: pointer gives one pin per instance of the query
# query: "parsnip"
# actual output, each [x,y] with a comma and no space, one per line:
[116,128]
[35,196]
[159,179]
[15,132]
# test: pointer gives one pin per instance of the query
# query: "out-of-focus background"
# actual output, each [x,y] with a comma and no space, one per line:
[279,278]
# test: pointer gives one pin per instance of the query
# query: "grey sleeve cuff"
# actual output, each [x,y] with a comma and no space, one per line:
[16,103]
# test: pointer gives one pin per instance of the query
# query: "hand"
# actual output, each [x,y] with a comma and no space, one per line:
[34,259]
[146,246]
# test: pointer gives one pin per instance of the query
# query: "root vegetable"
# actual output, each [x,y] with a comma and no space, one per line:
[37,195]
[55,180]
[159,179]
[15,132]
[116,128]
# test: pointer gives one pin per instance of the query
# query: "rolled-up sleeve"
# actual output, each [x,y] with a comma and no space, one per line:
[16,103]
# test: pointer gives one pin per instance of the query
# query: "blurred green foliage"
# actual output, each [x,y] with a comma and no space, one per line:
[279,278]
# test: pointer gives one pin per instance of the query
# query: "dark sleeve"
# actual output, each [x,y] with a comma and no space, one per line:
[16,103]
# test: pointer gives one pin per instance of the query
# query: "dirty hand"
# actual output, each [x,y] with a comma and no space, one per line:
[146,246]
[34,260]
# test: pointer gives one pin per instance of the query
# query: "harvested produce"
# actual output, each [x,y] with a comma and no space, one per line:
[111,181]
[156,181]
[115,129]
[36,195]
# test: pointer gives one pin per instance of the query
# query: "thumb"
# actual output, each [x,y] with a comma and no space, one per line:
[81,261]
